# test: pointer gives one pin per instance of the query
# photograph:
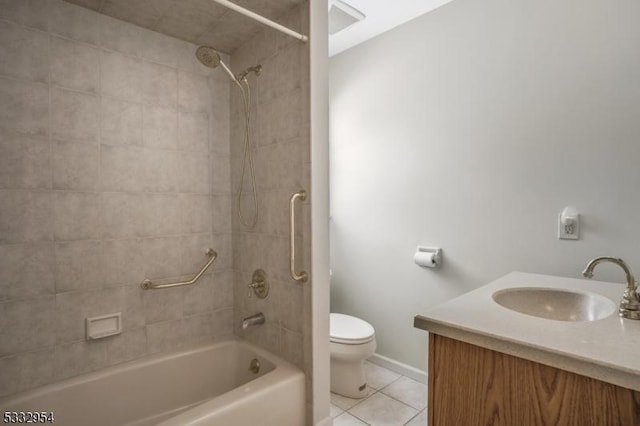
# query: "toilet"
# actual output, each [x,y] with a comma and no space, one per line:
[352,340]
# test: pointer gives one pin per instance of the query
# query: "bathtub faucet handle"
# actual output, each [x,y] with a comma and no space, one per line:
[259,284]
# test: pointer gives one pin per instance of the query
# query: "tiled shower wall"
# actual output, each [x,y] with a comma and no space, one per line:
[281,152]
[114,166]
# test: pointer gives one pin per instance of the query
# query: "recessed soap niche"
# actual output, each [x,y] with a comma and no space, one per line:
[103,326]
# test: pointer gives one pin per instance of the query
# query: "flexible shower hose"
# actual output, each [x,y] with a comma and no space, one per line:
[247,159]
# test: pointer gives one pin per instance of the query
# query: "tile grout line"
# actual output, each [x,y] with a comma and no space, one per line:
[381,390]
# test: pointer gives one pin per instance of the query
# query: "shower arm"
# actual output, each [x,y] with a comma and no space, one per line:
[248,13]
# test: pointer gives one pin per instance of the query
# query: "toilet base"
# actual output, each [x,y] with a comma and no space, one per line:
[348,378]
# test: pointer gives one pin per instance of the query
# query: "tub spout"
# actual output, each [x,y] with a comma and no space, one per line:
[253,320]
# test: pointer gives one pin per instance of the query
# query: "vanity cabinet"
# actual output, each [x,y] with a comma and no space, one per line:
[471,385]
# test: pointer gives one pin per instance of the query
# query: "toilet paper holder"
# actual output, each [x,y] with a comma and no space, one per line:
[429,257]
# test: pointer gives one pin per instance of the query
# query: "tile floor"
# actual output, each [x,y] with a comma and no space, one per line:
[394,400]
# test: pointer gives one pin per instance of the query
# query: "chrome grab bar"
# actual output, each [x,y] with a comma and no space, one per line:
[149,285]
[302,276]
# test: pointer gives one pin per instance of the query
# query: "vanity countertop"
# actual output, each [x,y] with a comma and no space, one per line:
[606,349]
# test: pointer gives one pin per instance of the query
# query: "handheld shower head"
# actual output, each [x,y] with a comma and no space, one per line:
[210,58]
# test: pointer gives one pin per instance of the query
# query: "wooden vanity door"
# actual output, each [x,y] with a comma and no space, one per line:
[470,385]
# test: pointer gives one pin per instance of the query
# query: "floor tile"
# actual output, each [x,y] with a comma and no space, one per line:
[347,419]
[409,391]
[334,410]
[381,410]
[378,377]
[419,420]
[346,403]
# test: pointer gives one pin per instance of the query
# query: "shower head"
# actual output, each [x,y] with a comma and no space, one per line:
[210,58]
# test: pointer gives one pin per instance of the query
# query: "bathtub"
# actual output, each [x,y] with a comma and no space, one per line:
[204,385]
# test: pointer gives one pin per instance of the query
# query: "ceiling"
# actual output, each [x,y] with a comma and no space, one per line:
[201,22]
[205,22]
[380,16]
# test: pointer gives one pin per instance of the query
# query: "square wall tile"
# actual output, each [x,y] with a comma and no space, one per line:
[193,173]
[27,325]
[127,346]
[193,249]
[23,52]
[32,13]
[73,21]
[163,170]
[222,324]
[164,214]
[24,161]
[158,84]
[79,265]
[80,357]
[75,115]
[122,168]
[26,370]
[197,210]
[76,166]
[120,76]
[163,258]
[198,299]
[120,36]
[75,65]
[165,335]
[160,127]
[26,270]
[198,328]
[121,122]
[123,262]
[26,216]
[24,106]
[193,132]
[74,307]
[222,290]
[193,93]
[77,216]
[123,215]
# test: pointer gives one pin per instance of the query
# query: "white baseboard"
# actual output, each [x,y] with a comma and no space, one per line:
[398,367]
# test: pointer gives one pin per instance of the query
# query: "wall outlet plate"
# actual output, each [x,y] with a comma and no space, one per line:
[568,232]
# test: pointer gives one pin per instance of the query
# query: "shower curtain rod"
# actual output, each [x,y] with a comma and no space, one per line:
[246,12]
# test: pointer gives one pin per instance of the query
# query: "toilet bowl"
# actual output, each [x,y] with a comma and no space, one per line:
[352,340]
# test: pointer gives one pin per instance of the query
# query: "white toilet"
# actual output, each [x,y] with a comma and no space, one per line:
[352,341]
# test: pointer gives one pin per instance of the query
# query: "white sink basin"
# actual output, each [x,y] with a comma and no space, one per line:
[555,304]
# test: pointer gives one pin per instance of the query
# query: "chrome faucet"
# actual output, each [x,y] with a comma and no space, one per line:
[630,303]
[253,320]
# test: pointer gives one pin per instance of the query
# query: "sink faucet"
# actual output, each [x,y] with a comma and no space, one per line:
[253,320]
[630,303]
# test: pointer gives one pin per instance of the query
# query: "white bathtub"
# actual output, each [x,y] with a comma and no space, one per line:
[205,385]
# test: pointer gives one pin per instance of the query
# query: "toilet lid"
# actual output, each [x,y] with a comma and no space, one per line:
[349,330]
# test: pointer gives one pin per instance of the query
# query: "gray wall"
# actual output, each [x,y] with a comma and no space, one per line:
[471,128]
[114,166]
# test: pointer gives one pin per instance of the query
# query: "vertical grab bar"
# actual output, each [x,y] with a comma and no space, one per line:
[302,276]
